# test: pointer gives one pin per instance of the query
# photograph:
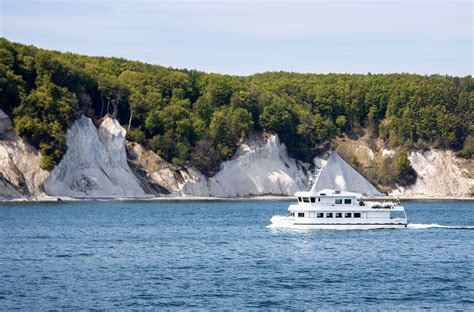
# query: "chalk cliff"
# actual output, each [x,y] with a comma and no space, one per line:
[100,163]
[261,166]
[440,174]
[95,164]
[339,175]
[20,173]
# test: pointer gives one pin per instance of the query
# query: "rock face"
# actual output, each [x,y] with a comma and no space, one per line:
[154,171]
[261,166]
[6,128]
[20,173]
[339,175]
[440,174]
[95,164]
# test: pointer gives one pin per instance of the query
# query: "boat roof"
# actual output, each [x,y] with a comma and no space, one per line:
[329,193]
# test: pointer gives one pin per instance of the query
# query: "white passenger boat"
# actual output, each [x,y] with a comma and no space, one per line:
[331,209]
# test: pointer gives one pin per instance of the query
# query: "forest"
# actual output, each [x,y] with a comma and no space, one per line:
[195,118]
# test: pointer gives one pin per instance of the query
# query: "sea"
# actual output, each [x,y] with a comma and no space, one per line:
[220,255]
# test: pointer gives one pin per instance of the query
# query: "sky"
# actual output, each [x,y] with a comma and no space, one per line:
[244,37]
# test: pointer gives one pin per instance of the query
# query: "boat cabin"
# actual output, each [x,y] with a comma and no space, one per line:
[328,197]
[334,205]
[333,209]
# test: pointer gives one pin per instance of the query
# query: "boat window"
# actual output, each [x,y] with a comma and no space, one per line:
[319,199]
[299,199]
[320,215]
[396,214]
[356,214]
[322,194]
[338,214]
[348,215]
[306,199]
[300,214]
[347,201]
[338,201]
[328,214]
[313,199]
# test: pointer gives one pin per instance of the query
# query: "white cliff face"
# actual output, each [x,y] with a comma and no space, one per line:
[259,167]
[95,164]
[112,135]
[440,174]
[20,173]
[336,174]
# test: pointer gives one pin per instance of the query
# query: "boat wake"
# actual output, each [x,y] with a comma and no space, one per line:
[434,225]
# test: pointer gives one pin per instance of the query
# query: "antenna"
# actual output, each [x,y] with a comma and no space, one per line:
[315,179]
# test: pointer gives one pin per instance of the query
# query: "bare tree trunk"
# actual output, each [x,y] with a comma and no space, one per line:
[130,120]
[102,106]
[114,115]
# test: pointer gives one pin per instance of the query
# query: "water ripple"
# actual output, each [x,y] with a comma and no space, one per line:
[220,255]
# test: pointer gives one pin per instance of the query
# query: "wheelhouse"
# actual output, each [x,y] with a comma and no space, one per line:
[327,197]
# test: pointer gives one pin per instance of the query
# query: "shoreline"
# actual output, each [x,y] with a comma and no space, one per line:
[165,198]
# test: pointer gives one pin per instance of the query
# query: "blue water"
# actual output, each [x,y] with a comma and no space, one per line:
[221,255]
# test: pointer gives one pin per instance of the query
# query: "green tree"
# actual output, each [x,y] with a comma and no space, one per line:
[373,121]
[278,118]
[227,127]
[170,110]
[43,118]
[404,172]
[205,158]
[468,148]
[341,122]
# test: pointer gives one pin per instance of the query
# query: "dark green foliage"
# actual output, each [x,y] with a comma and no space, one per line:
[44,117]
[372,121]
[198,118]
[404,172]
[136,135]
[205,158]
[468,149]
[392,170]
[278,116]
[229,125]
[253,100]
[11,87]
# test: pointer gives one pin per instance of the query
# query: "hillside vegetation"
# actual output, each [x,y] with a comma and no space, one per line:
[192,117]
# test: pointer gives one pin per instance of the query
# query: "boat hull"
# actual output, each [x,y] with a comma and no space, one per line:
[292,223]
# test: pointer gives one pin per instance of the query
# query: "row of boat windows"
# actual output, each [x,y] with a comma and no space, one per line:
[337,201]
[329,214]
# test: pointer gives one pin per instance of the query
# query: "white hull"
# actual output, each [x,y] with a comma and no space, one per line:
[293,223]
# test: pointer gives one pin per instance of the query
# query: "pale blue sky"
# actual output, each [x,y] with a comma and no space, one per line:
[244,37]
